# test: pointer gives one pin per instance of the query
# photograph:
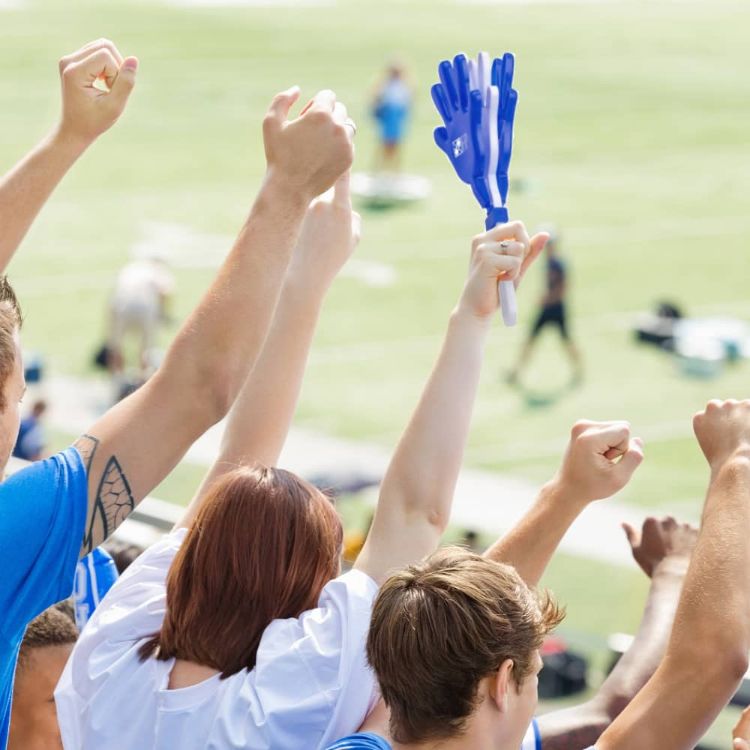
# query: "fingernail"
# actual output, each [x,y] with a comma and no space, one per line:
[131,63]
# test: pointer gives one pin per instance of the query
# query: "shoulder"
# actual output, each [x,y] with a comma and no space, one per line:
[363,741]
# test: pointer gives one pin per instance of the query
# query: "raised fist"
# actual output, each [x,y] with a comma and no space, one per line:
[723,431]
[600,459]
[96,83]
[330,232]
[312,151]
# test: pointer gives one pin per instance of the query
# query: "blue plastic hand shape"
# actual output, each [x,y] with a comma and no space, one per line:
[460,138]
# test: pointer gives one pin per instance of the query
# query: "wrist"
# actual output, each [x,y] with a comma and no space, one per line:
[303,290]
[463,317]
[284,188]
[67,142]
[736,465]
[671,567]
[560,490]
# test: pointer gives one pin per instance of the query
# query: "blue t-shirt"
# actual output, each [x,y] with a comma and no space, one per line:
[364,741]
[42,518]
[367,741]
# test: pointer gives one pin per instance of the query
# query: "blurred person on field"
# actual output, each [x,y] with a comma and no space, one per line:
[32,441]
[553,312]
[45,649]
[391,108]
[138,306]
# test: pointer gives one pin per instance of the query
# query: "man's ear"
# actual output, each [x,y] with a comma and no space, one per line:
[501,683]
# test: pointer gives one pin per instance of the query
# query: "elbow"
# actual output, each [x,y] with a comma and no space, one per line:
[207,392]
[735,662]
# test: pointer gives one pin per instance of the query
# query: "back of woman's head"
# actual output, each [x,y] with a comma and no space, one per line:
[262,547]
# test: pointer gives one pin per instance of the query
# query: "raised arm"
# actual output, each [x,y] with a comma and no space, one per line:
[417,491]
[599,461]
[138,442]
[707,655]
[663,549]
[87,112]
[260,418]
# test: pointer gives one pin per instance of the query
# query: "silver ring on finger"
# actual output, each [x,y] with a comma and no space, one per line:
[351,124]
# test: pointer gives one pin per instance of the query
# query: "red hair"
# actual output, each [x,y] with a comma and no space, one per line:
[262,547]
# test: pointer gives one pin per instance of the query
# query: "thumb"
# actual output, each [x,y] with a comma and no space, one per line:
[281,104]
[740,744]
[441,139]
[341,190]
[631,460]
[631,534]
[125,80]
[536,245]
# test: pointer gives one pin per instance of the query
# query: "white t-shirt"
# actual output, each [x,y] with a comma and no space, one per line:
[311,683]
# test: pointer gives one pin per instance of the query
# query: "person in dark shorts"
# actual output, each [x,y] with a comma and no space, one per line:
[552,313]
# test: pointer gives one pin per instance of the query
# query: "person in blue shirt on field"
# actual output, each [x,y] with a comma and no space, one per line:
[391,110]
[56,510]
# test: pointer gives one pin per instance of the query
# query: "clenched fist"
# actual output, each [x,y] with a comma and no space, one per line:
[723,431]
[330,232]
[311,152]
[96,83]
[600,459]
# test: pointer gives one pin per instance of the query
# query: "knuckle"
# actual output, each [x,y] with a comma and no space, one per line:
[319,117]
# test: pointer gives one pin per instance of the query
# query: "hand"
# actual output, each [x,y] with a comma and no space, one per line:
[312,151]
[741,733]
[87,110]
[723,431]
[599,460]
[661,540]
[502,254]
[330,232]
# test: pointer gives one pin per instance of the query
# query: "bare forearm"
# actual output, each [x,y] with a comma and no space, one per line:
[425,467]
[715,605]
[580,726]
[26,188]
[260,419]
[530,545]
[218,345]
[641,660]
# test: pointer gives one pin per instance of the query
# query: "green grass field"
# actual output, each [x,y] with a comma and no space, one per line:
[631,135]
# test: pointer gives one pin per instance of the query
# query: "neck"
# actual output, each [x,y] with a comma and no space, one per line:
[476,737]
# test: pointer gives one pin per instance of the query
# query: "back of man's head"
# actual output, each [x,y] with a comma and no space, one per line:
[46,646]
[440,627]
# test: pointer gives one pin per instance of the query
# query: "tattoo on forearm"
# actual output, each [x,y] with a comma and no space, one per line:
[86,446]
[113,502]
